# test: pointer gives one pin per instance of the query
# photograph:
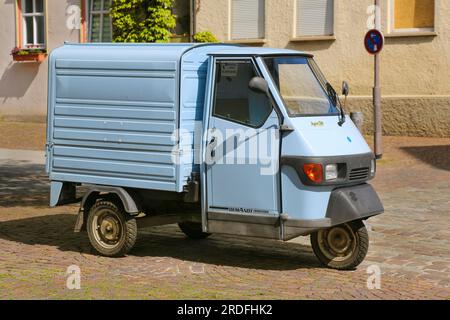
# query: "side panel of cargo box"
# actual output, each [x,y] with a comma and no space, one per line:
[112,114]
[192,100]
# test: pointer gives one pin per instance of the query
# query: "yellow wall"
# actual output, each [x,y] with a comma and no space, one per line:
[413,14]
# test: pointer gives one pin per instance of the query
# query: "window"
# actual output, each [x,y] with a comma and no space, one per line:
[247,19]
[314,18]
[412,15]
[100,25]
[297,79]
[33,24]
[234,100]
[181,9]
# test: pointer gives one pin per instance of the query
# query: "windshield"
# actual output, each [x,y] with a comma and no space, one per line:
[301,85]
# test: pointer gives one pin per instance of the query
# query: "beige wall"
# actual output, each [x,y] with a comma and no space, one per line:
[415,71]
[23,86]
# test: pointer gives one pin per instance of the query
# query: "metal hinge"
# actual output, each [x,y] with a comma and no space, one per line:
[49,146]
[286,128]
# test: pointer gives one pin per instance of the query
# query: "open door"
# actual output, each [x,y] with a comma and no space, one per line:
[242,154]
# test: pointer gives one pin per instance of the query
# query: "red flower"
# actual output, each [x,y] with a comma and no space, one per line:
[15,50]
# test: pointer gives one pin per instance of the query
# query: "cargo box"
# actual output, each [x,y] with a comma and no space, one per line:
[114,111]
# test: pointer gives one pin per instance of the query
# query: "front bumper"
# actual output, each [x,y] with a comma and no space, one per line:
[346,204]
[353,203]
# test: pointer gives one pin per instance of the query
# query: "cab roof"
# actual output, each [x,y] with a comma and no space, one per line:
[163,51]
[233,50]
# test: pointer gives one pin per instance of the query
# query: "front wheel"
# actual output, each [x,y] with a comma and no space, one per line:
[341,247]
[111,231]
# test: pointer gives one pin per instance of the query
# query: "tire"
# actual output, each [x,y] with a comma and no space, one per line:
[193,230]
[112,232]
[341,247]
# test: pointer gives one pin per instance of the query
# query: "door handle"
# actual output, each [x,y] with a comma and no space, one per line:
[211,145]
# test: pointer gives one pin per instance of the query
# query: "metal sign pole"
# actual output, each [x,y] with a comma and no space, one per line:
[377,91]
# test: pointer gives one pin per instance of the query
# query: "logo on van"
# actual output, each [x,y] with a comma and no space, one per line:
[317,123]
[241,210]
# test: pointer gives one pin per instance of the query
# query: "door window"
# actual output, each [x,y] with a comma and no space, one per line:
[234,101]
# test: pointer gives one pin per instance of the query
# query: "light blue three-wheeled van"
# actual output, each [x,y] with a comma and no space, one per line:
[217,138]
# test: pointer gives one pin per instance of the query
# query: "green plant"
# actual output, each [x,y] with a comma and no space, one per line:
[23,52]
[142,20]
[205,36]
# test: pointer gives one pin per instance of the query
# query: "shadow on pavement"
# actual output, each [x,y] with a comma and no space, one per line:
[437,156]
[23,184]
[166,241]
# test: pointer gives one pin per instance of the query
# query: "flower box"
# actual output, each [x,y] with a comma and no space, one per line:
[31,55]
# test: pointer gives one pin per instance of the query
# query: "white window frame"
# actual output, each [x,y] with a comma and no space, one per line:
[244,40]
[318,36]
[102,13]
[33,14]
[407,30]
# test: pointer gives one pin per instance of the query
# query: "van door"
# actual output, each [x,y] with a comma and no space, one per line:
[242,153]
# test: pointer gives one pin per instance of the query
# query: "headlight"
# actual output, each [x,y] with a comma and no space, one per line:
[372,167]
[331,172]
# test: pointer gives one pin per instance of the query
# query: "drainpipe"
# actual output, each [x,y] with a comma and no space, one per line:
[193,22]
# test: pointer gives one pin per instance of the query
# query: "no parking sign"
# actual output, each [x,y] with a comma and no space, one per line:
[374,41]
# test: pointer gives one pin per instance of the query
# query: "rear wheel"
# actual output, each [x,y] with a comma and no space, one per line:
[341,247]
[112,232]
[193,230]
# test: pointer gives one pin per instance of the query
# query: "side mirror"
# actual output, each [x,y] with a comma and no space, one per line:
[345,88]
[259,85]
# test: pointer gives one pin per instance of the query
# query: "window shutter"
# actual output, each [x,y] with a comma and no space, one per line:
[247,19]
[100,27]
[315,17]
[413,14]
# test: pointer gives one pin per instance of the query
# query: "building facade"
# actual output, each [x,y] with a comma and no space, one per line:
[415,68]
[42,25]
[415,62]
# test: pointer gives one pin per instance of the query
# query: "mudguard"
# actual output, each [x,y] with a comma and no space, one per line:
[129,203]
[353,203]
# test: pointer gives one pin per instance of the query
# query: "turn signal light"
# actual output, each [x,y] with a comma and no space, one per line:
[314,172]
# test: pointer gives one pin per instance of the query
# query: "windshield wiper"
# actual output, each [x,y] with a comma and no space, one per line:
[337,102]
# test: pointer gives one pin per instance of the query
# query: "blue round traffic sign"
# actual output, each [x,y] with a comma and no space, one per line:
[374,41]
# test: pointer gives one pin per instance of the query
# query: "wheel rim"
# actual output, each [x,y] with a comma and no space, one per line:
[338,243]
[107,228]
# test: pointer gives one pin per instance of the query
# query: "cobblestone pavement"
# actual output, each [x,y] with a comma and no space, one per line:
[410,244]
